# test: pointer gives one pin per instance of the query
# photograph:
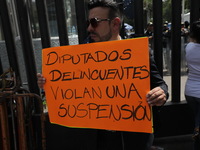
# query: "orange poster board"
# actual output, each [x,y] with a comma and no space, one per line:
[99,85]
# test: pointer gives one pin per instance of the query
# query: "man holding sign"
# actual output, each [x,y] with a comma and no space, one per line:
[104,24]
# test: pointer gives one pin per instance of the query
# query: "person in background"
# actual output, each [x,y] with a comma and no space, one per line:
[149,33]
[192,87]
[166,48]
[149,30]
[187,31]
[104,23]
[184,30]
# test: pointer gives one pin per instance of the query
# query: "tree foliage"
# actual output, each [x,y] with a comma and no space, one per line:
[167,9]
[148,4]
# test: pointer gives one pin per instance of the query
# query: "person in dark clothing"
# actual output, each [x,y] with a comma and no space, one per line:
[149,30]
[149,33]
[104,23]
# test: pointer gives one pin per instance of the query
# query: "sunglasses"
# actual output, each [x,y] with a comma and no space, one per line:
[95,21]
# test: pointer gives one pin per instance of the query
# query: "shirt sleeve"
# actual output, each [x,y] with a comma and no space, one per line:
[155,78]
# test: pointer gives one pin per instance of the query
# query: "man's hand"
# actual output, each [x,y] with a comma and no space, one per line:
[156,97]
[41,80]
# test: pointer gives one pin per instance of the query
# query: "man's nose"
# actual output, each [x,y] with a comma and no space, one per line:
[90,28]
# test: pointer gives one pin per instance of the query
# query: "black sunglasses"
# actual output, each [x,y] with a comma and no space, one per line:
[94,22]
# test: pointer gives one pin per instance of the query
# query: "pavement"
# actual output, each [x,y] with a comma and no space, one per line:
[183,81]
[183,142]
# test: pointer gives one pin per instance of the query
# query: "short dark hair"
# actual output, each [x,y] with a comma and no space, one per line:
[195,31]
[114,8]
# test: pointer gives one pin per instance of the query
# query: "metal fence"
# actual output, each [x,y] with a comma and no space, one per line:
[21,127]
[28,47]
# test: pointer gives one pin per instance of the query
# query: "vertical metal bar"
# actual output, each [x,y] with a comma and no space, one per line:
[27,45]
[1,67]
[138,15]
[22,140]
[14,18]
[176,49]
[61,21]
[157,22]
[194,10]
[121,7]
[43,23]
[81,20]
[9,37]
[13,124]
[4,126]
[42,116]
[29,58]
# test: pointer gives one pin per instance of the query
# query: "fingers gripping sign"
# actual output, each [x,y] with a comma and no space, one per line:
[156,97]
[41,80]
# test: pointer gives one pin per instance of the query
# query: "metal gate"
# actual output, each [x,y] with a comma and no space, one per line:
[18,117]
[21,111]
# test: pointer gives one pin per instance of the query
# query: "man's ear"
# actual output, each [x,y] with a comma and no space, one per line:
[116,23]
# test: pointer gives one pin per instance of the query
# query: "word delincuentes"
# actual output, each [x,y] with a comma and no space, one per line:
[129,72]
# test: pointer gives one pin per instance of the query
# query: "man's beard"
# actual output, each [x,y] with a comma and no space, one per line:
[106,37]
